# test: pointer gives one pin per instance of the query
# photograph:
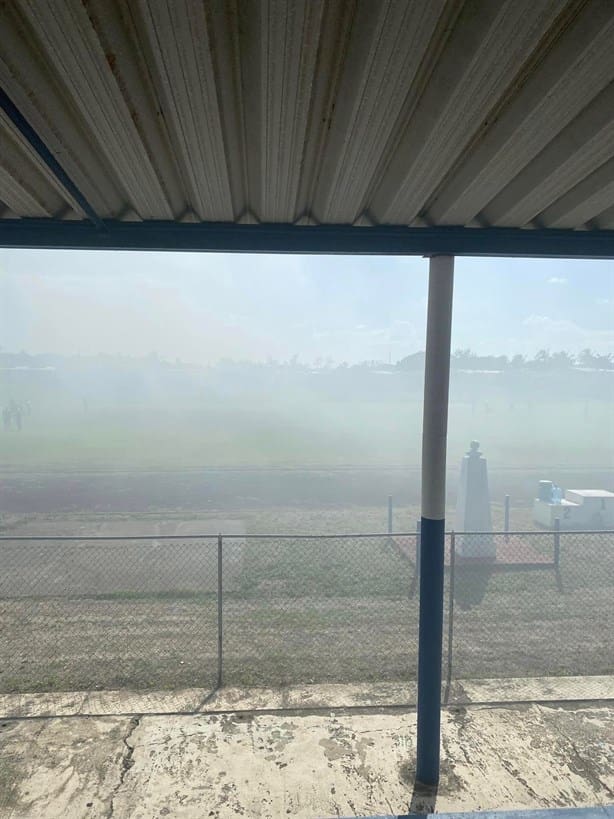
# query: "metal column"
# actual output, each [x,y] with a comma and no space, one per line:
[434,440]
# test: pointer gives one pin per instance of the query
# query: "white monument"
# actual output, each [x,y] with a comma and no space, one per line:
[473,508]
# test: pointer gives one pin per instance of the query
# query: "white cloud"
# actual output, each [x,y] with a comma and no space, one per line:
[543,332]
[557,280]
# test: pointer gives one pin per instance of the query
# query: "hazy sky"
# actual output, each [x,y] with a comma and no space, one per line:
[202,307]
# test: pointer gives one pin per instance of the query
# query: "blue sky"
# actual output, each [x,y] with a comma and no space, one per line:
[201,307]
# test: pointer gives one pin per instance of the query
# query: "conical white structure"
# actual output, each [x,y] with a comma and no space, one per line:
[473,507]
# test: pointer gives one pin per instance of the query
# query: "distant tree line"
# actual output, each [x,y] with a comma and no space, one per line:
[466,359]
[109,380]
[462,359]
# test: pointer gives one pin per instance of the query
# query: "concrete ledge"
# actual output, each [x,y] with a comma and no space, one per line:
[535,689]
[297,698]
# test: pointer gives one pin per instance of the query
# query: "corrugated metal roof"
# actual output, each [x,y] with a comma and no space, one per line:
[365,112]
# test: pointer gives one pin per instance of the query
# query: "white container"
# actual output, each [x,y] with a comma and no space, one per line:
[595,507]
[579,509]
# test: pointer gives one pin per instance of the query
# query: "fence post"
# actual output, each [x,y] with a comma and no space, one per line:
[220,673]
[416,578]
[506,525]
[557,553]
[389,514]
[450,615]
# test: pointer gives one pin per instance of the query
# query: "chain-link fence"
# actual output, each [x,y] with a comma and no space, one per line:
[79,614]
[180,612]
[532,604]
[317,609]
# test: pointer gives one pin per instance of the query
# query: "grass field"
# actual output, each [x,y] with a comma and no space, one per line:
[326,433]
[144,615]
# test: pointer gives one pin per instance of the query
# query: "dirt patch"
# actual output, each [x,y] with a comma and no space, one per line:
[238,489]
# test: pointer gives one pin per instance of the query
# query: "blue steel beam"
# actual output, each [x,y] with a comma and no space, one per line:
[285,238]
[37,144]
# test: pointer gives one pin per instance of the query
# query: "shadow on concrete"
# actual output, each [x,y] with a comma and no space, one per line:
[423,799]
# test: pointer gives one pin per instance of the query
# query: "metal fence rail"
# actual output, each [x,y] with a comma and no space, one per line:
[272,610]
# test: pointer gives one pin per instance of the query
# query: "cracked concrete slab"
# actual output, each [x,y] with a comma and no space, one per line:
[313,764]
[60,768]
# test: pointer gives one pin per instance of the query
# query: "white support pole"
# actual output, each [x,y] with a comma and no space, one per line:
[434,442]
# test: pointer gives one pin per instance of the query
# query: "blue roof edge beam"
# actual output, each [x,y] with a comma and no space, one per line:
[229,237]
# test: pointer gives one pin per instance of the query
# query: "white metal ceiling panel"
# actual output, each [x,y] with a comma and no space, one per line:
[358,112]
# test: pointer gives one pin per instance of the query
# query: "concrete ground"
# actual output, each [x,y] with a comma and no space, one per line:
[272,754]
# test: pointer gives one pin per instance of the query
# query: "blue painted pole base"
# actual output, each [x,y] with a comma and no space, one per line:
[430,650]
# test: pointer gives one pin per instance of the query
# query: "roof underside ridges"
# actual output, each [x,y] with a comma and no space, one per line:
[400,112]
